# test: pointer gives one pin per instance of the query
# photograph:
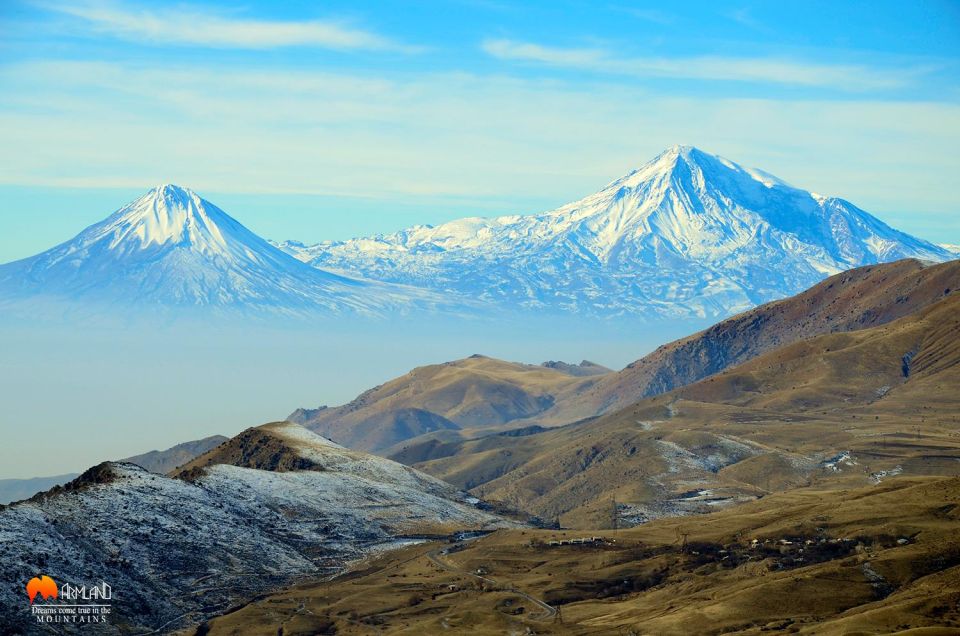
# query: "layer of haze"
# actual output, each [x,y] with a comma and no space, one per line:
[73,397]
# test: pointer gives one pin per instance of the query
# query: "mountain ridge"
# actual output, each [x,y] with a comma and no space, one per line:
[832,408]
[854,299]
[183,548]
[688,234]
[171,248]
[520,395]
[156,461]
[444,398]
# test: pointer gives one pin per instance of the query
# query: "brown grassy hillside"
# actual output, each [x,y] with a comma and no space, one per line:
[431,405]
[852,408]
[856,299]
[477,392]
[873,560]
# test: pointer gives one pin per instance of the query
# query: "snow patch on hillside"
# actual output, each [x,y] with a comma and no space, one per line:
[172,547]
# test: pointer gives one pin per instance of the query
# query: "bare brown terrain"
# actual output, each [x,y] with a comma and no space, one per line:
[451,402]
[878,559]
[474,393]
[812,489]
[843,408]
[855,299]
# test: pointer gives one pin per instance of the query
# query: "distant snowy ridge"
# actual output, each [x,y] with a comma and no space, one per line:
[689,234]
[171,248]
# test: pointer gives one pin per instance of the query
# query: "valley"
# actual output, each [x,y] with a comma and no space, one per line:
[770,454]
[764,456]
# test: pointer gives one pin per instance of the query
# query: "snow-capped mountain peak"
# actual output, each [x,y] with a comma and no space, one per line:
[685,165]
[170,247]
[688,233]
[171,214]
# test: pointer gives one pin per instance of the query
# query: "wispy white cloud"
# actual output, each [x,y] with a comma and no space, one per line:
[422,135]
[745,17]
[184,25]
[649,15]
[740,69]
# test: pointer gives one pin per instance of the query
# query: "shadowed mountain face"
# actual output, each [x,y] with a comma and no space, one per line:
[854,407]
[272,504]
[689,234]
[856,299]
[477,392]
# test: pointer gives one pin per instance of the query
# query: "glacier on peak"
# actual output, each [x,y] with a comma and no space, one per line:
[170,214]
[688,234]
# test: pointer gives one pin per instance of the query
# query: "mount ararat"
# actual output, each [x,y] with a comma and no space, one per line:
[687,235]
[172,249]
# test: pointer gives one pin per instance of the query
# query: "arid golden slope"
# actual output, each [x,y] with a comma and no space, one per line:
[856,299]
[851,408]
[474,393]
[879,559]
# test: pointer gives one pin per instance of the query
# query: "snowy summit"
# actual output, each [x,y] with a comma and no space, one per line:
[687,234]
[172,248]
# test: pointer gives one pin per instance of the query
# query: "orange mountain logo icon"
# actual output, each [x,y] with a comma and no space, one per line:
[44,586]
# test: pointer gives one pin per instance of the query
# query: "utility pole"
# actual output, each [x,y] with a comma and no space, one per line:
[614,517]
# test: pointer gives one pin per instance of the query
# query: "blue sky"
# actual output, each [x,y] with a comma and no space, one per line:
[327,120]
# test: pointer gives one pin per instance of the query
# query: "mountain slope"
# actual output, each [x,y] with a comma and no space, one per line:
[416,416]
[166,460]
[180,549]
[858,406]
[477,392]
[170,248]
[856,299]
[688,234]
